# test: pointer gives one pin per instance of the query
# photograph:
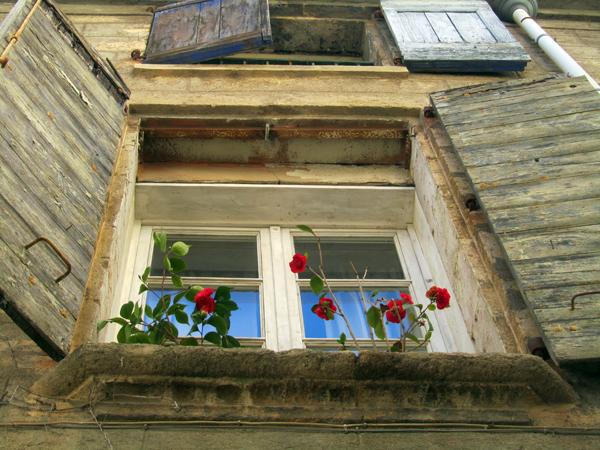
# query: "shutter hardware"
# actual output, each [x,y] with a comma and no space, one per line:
[58,252]
[15,37]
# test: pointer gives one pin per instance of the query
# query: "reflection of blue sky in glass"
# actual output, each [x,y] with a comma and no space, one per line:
[315,327]
[245,322]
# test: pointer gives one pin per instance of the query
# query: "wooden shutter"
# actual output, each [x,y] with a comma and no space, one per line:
[531,149]
[198,30]
[61,115]
[452,36]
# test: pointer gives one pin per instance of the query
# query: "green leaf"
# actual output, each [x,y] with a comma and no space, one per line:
[146,274]
[428,335]
[138,338]
[161,306]
[192,291]
[126,310]
[101,324]
[180,248]
[431,307]
[181,317]
[190,341]
[167,264]
[396,346]
[230,342]
[342,339]
[213,338]
[412,337]
[374,293]
[219,323]
[316,284]
[177,265]
[119,320]
[223,293]
[123,334]
[179,296]
[379,332]
[160,239]
[143,288]
[306,228]
[148,312]
[229,305]
[373,317]
[176,280]
[136,315]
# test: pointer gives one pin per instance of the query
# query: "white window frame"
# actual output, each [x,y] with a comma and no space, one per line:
[280,304]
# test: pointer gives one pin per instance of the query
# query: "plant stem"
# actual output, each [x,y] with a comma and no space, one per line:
[363,301]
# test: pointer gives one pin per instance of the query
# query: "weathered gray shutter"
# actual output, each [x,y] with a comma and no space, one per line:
[531,149]
[199,30]
[61,115]
[452,36]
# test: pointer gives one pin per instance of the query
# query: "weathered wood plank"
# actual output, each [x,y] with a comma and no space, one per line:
[555,272]
[443,27]
[552,243]
[494,26]
[537,169]
[528,149]
[411,27]
[538,217]
[239,17]
[575,348]
[530,106]
[471,28]
[559,190]
[560,297]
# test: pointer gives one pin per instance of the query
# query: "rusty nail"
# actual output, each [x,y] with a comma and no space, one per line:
[581,294]
[58,252]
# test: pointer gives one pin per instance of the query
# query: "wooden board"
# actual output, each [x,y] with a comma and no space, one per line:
[531,149]
[198,30]
[452,36]
[61,112]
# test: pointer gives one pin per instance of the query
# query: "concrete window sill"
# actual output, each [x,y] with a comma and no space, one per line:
[139,382]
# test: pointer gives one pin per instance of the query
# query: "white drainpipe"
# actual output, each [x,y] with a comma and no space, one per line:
[554,51]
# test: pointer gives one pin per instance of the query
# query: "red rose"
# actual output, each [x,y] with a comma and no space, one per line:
[204,301]
[325,309]
[441,296]
[406,299]
[298,263]
[395,312]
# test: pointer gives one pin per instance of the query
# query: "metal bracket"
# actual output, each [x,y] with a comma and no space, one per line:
[58,252]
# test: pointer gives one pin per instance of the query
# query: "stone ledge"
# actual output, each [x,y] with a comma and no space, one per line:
[141,381]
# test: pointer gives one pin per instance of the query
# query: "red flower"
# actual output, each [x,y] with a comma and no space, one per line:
[406,299]
[395,312]
[298,263]
[441,296]
[204,301]
[325,309]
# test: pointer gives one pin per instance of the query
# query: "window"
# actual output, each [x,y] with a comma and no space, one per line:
[275,303]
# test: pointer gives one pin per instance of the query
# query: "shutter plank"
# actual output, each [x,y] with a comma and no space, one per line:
[443,27]
[462,36]
[534,164]
[61,112]
[471,28]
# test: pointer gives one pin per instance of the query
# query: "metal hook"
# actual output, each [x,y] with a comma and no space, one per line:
[581,295]
[57,251]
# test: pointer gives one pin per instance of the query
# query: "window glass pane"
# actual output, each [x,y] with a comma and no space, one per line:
[377,255]
[215,256]
[315,327]
[245,322]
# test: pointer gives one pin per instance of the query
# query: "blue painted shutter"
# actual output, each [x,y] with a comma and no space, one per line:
[194,31]
[452,36]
